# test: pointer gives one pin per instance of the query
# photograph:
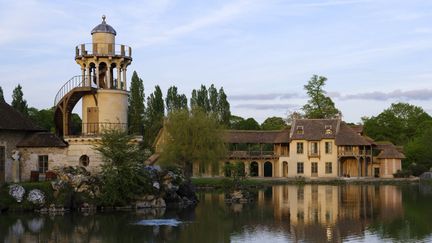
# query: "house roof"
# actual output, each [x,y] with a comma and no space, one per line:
[12,119]
[314,129]
[256,136]
[389,151]
[347,136]
[41,139]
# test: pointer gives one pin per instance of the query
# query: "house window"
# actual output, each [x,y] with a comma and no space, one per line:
[328,129]
[328,168]
[314,148]
[328,147]
[43,163]
[299,148]
[300,168]
[314,168]
[300,130]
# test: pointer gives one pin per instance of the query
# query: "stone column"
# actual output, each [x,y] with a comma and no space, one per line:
[124,79]
[97,75]
[83,79]
[108,77]
[88,77]
[260,169]
[118,77]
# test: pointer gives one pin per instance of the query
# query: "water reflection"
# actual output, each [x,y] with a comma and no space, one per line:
[311,213]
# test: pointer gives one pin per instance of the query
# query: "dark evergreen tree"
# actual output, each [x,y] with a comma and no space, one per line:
[18,101]
[136,105]
[213,99]
[200,99]
[175,101]
[154,116]
[223,108]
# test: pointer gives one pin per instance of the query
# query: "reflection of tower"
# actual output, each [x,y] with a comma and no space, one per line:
[101,85]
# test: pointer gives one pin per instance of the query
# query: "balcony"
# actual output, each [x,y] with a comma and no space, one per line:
[314,154]
[354,153]
[252,154]
[103,49]
[97,128]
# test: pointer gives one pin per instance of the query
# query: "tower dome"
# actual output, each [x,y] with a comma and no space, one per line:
[103,27]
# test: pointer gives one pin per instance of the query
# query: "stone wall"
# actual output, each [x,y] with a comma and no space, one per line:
[9,140]
[57,157]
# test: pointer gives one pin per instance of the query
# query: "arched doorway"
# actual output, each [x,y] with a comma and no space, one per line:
[285,169]
[268,169]
[254,169]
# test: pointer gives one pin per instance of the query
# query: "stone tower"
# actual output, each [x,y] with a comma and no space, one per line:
[102,85]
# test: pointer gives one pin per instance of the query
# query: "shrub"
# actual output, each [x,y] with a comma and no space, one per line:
[402,174]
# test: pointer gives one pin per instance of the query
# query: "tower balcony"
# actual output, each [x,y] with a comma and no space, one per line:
[103,49]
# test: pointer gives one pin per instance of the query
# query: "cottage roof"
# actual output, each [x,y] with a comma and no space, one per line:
[389,151]
[41,139]
[314,129]
[12,119]
[347,136]
[256,136]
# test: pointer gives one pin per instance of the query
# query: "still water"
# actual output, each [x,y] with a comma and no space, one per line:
[310,213]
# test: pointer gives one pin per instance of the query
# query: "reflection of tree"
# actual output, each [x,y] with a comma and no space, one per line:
[415,223]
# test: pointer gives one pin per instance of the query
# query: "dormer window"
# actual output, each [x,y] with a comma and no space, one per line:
[300,130]
[328,129]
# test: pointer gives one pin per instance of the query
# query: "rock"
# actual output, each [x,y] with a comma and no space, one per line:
[426,176]
[17,192]
[150,201]
[36,196]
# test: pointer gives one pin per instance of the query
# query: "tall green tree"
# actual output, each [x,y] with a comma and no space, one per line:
[175,101]
[18,101]
[1,94]
[136,104]
[418,150]
[398,124]
[213,99]
[194,137]
[223,108]
[154,116]
[200,99]
[319,105]
[273,123]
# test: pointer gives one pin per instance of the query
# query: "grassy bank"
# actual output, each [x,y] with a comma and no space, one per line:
[8,202]
[222,182]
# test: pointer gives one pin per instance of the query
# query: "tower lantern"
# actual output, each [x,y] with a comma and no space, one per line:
[102,85]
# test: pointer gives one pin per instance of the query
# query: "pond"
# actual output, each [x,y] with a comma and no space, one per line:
[288,213]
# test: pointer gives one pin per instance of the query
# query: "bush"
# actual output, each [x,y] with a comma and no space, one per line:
[417,169]
[402,174]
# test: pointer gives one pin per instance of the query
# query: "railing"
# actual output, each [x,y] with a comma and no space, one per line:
[97,128]
[354,153]
[74,82]
[313,154]
[246,154]
[103,49]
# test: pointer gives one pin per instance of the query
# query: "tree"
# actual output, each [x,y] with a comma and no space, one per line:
[43,118]
[319,105]
[154,116]
[175,101]
[248,124]
[194,138]
[200,99]
[18,101]
[223,109]
[397,124]
[273,123]
[136,105]
[122,175]
[1,94]
[213,99]
[418,151]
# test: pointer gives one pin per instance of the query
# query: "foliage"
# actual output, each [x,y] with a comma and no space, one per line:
[18,101]
[154,116]
[319,105]
[194,137]
[402,174]
[397,124]
[200,99]
[418,151]
[8,202]
[273,123]
[1,94]
[224,111]
[122,172]
[136,105]
[248,124]
[175,101]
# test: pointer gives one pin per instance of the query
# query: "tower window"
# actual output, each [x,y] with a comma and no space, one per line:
[84,160]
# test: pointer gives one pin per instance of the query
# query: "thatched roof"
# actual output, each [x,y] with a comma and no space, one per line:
[41,139]
[256,136]
[347,136]
[389,151]
[12,119]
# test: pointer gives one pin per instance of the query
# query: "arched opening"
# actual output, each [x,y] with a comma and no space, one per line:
[254,169]
[285,169]
[268,169]
[114,76]
[102,75]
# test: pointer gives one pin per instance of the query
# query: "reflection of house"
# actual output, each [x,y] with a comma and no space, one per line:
[325,148]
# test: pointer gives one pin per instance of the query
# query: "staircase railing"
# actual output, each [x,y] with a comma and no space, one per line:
[74,82]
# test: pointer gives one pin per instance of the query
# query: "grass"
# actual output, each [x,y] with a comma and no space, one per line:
[8,202]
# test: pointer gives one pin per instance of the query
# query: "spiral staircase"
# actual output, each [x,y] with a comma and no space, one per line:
[66,99]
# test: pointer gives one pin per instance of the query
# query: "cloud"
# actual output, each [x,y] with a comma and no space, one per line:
[267,106]
[268,96]
[418,94]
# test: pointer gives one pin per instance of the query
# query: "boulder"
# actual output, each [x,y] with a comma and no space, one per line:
[17,192]
[426,176]
[150,201]
[36,196]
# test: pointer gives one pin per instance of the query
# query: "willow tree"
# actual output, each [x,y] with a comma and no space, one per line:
[194,138]
[319,105]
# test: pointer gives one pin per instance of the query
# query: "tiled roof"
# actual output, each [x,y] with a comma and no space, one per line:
[314,129]
[256,136]
[347,136]
[41,139]
[11,119]
[389,151]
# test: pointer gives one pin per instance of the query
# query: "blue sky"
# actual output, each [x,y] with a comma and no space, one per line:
[373,52]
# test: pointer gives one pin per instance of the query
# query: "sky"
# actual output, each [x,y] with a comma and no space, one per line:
[262,52]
